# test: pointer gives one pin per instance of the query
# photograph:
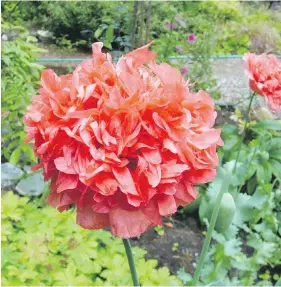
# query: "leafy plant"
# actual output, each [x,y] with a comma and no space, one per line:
[52,250]
[252,242]
[20,75]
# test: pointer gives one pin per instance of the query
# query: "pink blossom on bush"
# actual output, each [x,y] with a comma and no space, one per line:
[191,38]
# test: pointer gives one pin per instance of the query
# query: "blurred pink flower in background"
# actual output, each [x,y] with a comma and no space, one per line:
[179,48]
[191,37]
[170,25]
[184,70]
[264,72]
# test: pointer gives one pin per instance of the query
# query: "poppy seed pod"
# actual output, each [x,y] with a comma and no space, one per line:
[226,213]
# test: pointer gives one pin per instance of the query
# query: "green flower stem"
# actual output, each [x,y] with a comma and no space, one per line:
[224,188]
[244,131]
[130,257]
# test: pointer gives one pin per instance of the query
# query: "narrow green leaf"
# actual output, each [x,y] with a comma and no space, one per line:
[15,156]
[268,125]
[109,33]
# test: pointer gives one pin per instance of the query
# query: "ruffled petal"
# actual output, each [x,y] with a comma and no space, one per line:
[126,182]
[127,224]
[89,219]
[200,176]
[66,181]
[166,205]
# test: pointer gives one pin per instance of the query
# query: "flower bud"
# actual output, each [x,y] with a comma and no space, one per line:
[264,114]
[226,213]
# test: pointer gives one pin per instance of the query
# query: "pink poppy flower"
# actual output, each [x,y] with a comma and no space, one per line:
[264,72]
[125,143]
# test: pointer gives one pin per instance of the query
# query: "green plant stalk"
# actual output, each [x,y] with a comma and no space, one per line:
[130,257]
[224,188]
[244,131]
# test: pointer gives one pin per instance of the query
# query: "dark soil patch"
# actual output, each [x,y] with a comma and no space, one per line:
[223,117]
[185,232]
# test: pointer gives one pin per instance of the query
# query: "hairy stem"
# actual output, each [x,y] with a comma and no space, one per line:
[130,257]
[244,132]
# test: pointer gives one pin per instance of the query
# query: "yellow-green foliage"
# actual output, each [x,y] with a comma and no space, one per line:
[42,247]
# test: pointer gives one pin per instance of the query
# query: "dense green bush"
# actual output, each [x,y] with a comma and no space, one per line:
[42,247]
[20,76]
[83,23]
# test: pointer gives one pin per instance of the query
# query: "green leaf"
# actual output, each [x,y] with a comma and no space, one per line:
[107,44]
[109,34]
[98,32]
[243,209]
[15,156]
[276,168]
[268,125]
[251,185]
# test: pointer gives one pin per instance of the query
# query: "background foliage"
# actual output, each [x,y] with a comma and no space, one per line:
[52,250]
[233,26]
[20,78]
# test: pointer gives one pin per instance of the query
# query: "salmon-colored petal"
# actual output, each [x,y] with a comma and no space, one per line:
[152,156]
[50,81]
[66,181]
[186,193]
[141,55]
[98,56]
[173,169]
[62,165]
[167,205]
[151,211]
[89,219]
[101,207]
[200,176]
[123,223]
[43,148]
[126,182]
[205,140]
[107,186]
[169,145]
[96,130]
[160,122]
[153,174]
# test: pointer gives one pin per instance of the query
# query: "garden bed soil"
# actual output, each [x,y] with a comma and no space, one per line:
[179,246]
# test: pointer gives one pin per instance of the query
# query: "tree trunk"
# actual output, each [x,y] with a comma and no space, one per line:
[134,26]
[148,18]
[141,18]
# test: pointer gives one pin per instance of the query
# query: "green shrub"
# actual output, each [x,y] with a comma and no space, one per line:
[42,247]
[198,63]
[20,75]
[83,23]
